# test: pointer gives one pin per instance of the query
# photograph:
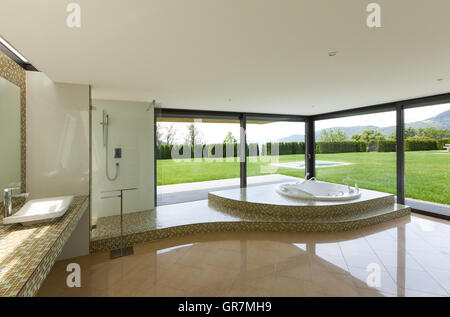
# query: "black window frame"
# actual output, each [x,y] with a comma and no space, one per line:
[242,117]
[398,106]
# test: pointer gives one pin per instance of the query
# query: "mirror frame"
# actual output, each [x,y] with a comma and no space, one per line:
[15,74]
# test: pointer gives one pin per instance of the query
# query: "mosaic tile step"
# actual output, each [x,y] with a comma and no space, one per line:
[201,217]
[27,253]
[319,217]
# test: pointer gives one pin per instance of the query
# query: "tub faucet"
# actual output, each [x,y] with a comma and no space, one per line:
[345,181]
[7,200]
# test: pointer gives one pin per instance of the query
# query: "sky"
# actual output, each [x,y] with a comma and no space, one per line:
[216,132]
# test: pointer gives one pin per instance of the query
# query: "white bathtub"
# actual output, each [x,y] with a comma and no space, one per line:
[314,190]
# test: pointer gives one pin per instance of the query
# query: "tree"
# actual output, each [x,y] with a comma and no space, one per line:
[229,138]
[368,136]
[445,134]
[158,132]
[192,135]
[371,137]
[332,135]
[421,132]
[410,132]
[433,133]
[171,132]
[393,136]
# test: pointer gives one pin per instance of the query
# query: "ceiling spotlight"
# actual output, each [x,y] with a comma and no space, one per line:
[333,53]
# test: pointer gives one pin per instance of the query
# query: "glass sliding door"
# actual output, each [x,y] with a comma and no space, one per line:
[427,158]
[275,150]
[195,155]
[360,149]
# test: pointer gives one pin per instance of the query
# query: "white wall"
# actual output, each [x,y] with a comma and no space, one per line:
[131,128]
[57,137]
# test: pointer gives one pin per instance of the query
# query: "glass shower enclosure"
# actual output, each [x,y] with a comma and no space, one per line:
[122,158]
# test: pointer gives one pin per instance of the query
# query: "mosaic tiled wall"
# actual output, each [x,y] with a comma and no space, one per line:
[16,75]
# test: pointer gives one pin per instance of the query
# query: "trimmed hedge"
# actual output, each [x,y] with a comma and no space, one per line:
[164,151]
[413,145]
[254,147]
[387,146]
[285,148]
[441,143]
[341,147]
[420,144]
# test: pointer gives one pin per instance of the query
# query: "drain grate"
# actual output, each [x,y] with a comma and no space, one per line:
[121,252]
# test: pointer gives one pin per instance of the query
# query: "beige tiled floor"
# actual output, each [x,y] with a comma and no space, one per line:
[413,257]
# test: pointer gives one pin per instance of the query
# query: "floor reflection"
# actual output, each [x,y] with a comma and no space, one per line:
[413,260]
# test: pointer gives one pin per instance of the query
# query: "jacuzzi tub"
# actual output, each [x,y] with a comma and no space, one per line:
[314,190]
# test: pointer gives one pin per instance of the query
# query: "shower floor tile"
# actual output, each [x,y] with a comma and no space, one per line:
[159,218]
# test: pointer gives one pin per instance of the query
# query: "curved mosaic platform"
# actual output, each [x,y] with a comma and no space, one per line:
[222,213]
[264,201]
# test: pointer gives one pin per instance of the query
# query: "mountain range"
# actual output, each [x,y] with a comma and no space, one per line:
[440,121]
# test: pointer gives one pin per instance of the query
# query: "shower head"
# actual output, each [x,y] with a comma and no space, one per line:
[105,118]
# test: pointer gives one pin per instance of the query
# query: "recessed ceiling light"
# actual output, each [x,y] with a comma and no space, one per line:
[333,53]
[13,50]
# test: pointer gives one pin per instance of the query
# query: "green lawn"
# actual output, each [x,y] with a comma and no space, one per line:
[427,172]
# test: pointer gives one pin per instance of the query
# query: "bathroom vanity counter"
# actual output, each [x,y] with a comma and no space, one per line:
[27,253]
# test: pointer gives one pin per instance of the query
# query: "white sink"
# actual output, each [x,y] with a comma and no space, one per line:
[40,210]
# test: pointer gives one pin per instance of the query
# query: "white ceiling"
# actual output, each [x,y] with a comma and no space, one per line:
[239,55]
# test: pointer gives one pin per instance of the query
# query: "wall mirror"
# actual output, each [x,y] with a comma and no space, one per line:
[10,160]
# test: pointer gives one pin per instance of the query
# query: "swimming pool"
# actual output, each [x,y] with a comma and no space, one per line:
[301,165]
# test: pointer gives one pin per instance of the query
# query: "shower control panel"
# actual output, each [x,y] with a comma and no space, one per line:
[118,152]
